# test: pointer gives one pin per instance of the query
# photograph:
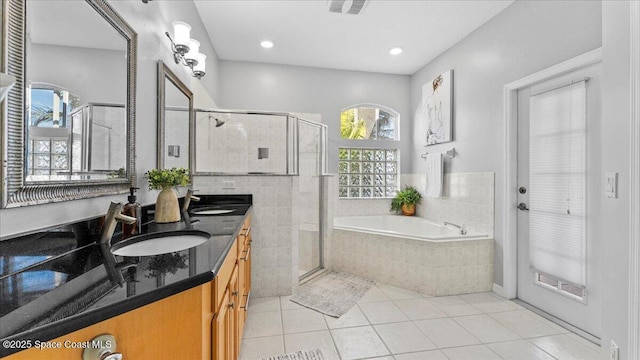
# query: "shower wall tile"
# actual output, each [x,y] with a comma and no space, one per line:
[274,239]
[233,147]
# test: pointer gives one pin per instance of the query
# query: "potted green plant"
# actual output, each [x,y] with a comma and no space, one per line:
[406,200]
[167,208]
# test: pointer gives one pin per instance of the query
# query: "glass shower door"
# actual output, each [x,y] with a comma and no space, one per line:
[310,158]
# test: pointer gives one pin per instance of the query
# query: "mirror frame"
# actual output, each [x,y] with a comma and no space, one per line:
[15,190]
[164,73]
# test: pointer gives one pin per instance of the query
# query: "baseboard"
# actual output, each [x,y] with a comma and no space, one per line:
[499,290]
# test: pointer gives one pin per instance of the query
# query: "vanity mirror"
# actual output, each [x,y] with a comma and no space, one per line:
[175,120]
[70,118]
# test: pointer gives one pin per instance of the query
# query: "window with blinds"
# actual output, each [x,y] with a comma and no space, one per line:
[557,182]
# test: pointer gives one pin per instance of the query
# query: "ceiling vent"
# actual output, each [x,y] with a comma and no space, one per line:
[353,7]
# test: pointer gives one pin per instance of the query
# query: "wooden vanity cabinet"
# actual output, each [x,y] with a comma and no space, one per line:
[244,264]
[204,322]
[176,327]
[230,298]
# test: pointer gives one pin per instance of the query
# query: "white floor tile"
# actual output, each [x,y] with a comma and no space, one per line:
[419,309]
[457,324]
[353,317]
[358,342]
[519,350]
[301,320]
[490,302]
[312,340]
[264,304]
[396,293]
[567,347]
[286,304]
[486,329]
[382,312]
[263,324]
[374,294]
[527,324]
[477,352]
[424,355]
[403,337]
[261,347]
[446,333]
[454,306]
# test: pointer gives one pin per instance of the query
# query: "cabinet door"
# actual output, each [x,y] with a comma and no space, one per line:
[225,324]
[222,332]
[234,298]
[183,318]
[247,270]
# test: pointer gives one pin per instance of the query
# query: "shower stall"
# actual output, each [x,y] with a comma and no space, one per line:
[230,142]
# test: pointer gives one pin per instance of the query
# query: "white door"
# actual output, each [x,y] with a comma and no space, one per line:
[559,190]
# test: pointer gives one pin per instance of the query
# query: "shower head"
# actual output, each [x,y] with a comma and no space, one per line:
[218,122]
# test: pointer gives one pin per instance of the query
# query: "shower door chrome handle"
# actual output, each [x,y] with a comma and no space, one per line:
[523,207]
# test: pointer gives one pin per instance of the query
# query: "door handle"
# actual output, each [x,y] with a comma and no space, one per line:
[523,207]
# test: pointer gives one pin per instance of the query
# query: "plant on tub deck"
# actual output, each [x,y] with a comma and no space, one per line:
[167,208]
[406,200]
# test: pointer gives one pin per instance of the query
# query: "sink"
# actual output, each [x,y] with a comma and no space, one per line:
[214,210]
[211,211]
[160,243]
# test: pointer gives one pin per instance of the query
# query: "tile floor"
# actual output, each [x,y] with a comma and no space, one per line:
[395,324]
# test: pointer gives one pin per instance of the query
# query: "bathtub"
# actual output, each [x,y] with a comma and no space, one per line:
[408,227]
[412,253]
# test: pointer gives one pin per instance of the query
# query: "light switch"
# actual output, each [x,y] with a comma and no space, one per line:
[611,185]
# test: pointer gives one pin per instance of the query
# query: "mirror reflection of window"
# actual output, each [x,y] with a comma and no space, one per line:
[49,107]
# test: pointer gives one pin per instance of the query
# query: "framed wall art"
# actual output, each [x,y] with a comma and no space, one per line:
[437,100]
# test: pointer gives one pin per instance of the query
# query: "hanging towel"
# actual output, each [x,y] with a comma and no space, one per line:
[434,175]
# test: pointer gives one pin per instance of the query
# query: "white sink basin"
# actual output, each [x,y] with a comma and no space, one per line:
[159,243]
[211,211]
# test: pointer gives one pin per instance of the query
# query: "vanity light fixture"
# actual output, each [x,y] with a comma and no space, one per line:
[396,50]
[186,51]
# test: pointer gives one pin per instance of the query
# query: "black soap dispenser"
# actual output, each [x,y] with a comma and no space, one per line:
[133,209]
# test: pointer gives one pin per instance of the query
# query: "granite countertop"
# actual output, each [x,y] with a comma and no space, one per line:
[58,281]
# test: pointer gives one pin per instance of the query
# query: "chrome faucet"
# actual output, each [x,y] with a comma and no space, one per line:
[188,198]
[114,214]
[462,229]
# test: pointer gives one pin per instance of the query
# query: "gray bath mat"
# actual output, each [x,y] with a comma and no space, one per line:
[332,294]
[299,355]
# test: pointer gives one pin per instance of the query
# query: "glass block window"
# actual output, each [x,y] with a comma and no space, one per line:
[367,173]
[47,156]
[368,123]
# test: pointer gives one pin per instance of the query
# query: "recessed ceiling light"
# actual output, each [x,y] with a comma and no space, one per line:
[396,50]
[267,44]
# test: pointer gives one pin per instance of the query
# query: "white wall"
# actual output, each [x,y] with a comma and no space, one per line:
[79,70]
[615,155]
[287,88]
[526,37]
[150,21]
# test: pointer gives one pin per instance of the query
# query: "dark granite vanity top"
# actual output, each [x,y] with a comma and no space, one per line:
[60,280]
